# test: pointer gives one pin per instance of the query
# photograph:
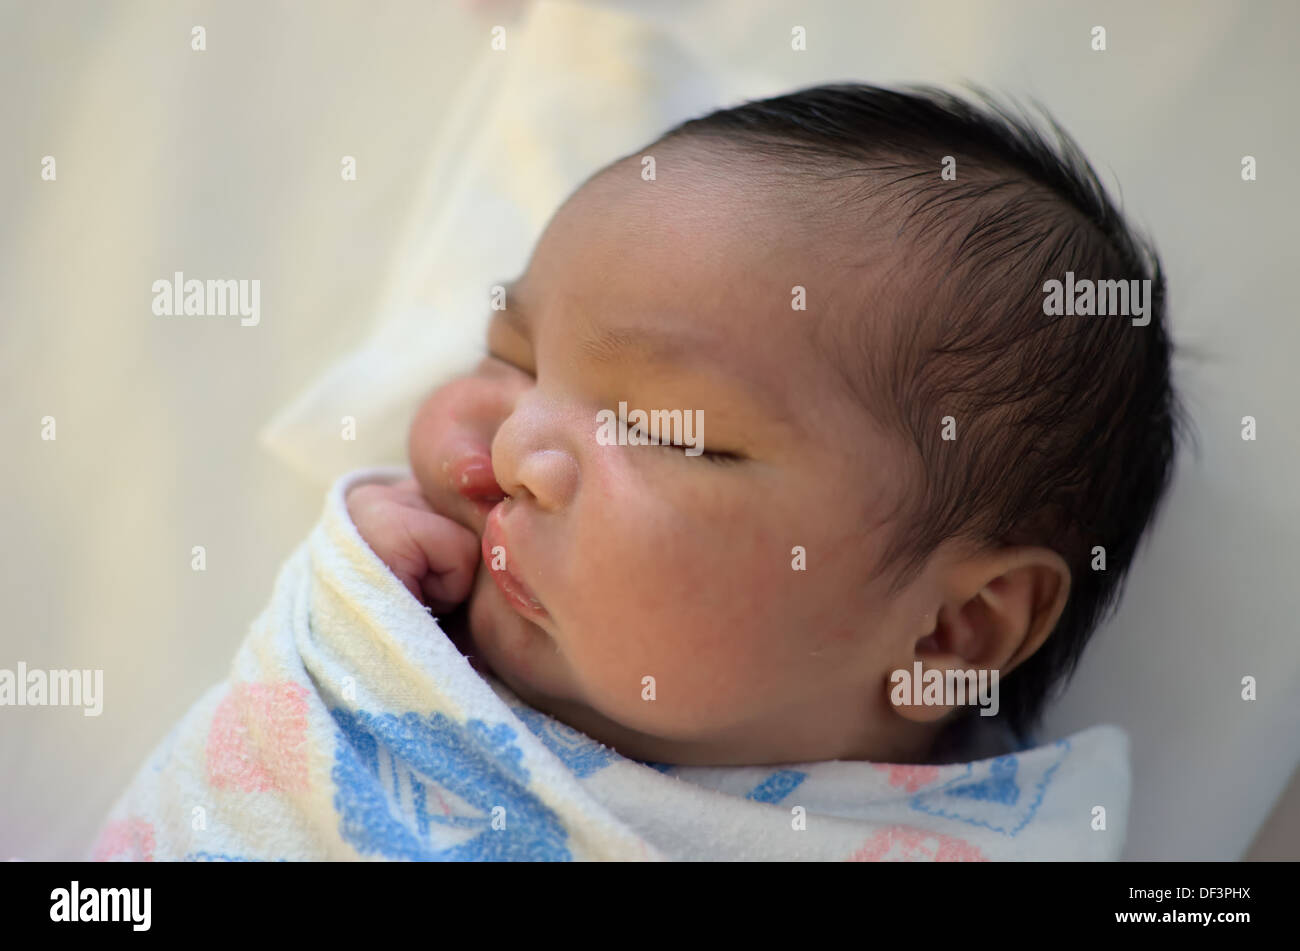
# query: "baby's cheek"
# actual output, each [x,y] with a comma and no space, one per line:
[450,452]
[683,688]
[678,662]
[427,430]
[738,622]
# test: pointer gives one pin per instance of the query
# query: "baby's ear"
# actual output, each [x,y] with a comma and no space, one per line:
[1002,606]
[998,608]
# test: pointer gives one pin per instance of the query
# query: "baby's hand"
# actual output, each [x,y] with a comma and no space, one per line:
[433,556]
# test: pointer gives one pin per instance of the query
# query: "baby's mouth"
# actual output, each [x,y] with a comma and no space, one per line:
[499,560]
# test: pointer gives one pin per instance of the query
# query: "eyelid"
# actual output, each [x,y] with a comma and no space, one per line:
[510,363]
[502,333]
[710,454]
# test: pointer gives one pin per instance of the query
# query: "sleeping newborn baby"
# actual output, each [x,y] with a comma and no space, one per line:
[900,458]
[806,454]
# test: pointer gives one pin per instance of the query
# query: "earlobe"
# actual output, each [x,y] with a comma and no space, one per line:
[916,693]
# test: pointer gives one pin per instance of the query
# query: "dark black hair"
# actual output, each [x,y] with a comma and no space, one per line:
[1068,426]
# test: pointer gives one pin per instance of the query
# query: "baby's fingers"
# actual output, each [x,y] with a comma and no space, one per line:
[449,553]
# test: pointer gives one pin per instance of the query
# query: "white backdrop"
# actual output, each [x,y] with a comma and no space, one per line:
[226,163]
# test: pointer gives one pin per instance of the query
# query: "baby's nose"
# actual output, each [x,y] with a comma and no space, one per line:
[531,457]
[550,476]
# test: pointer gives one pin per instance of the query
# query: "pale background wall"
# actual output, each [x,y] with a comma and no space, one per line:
[226,163]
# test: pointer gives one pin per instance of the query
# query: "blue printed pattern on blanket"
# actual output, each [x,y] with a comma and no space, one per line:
[390,770]
[992,794]
[776,786]
[219,857]
[574,748]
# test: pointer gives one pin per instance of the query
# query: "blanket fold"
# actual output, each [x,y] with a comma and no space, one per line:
[350,727]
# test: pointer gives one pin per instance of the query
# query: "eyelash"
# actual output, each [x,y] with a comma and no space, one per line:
[721,458]
[510,363]
[717,458]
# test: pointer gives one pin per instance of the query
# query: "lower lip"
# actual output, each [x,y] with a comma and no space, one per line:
[515,591]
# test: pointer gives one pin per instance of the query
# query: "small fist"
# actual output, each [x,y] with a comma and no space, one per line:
[433,556]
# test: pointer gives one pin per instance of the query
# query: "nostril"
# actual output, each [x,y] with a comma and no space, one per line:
[548,476]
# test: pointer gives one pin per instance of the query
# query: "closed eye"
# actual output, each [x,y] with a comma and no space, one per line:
[722,457]
[511,363]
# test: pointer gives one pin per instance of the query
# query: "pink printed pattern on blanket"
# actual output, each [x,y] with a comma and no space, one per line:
[258,739]
[125,840]
[906,844]
[910,778]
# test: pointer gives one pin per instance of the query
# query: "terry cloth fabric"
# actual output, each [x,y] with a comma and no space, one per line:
[351,727]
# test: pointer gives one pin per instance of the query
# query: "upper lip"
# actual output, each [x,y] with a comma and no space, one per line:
[507,579]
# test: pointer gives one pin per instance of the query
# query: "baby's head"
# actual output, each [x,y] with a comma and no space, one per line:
[904,458]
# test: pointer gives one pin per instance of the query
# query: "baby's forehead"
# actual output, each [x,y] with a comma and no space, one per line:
[703,251]
[691,269]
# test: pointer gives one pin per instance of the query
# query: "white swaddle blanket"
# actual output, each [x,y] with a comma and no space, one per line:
[351,727]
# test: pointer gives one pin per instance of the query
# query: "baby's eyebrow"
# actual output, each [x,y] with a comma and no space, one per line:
[645,344]
[607,345]
[648,345]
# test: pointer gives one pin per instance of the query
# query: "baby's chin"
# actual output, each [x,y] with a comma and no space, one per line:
[513,649]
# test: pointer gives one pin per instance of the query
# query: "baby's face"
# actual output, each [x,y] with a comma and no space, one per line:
[718,608]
